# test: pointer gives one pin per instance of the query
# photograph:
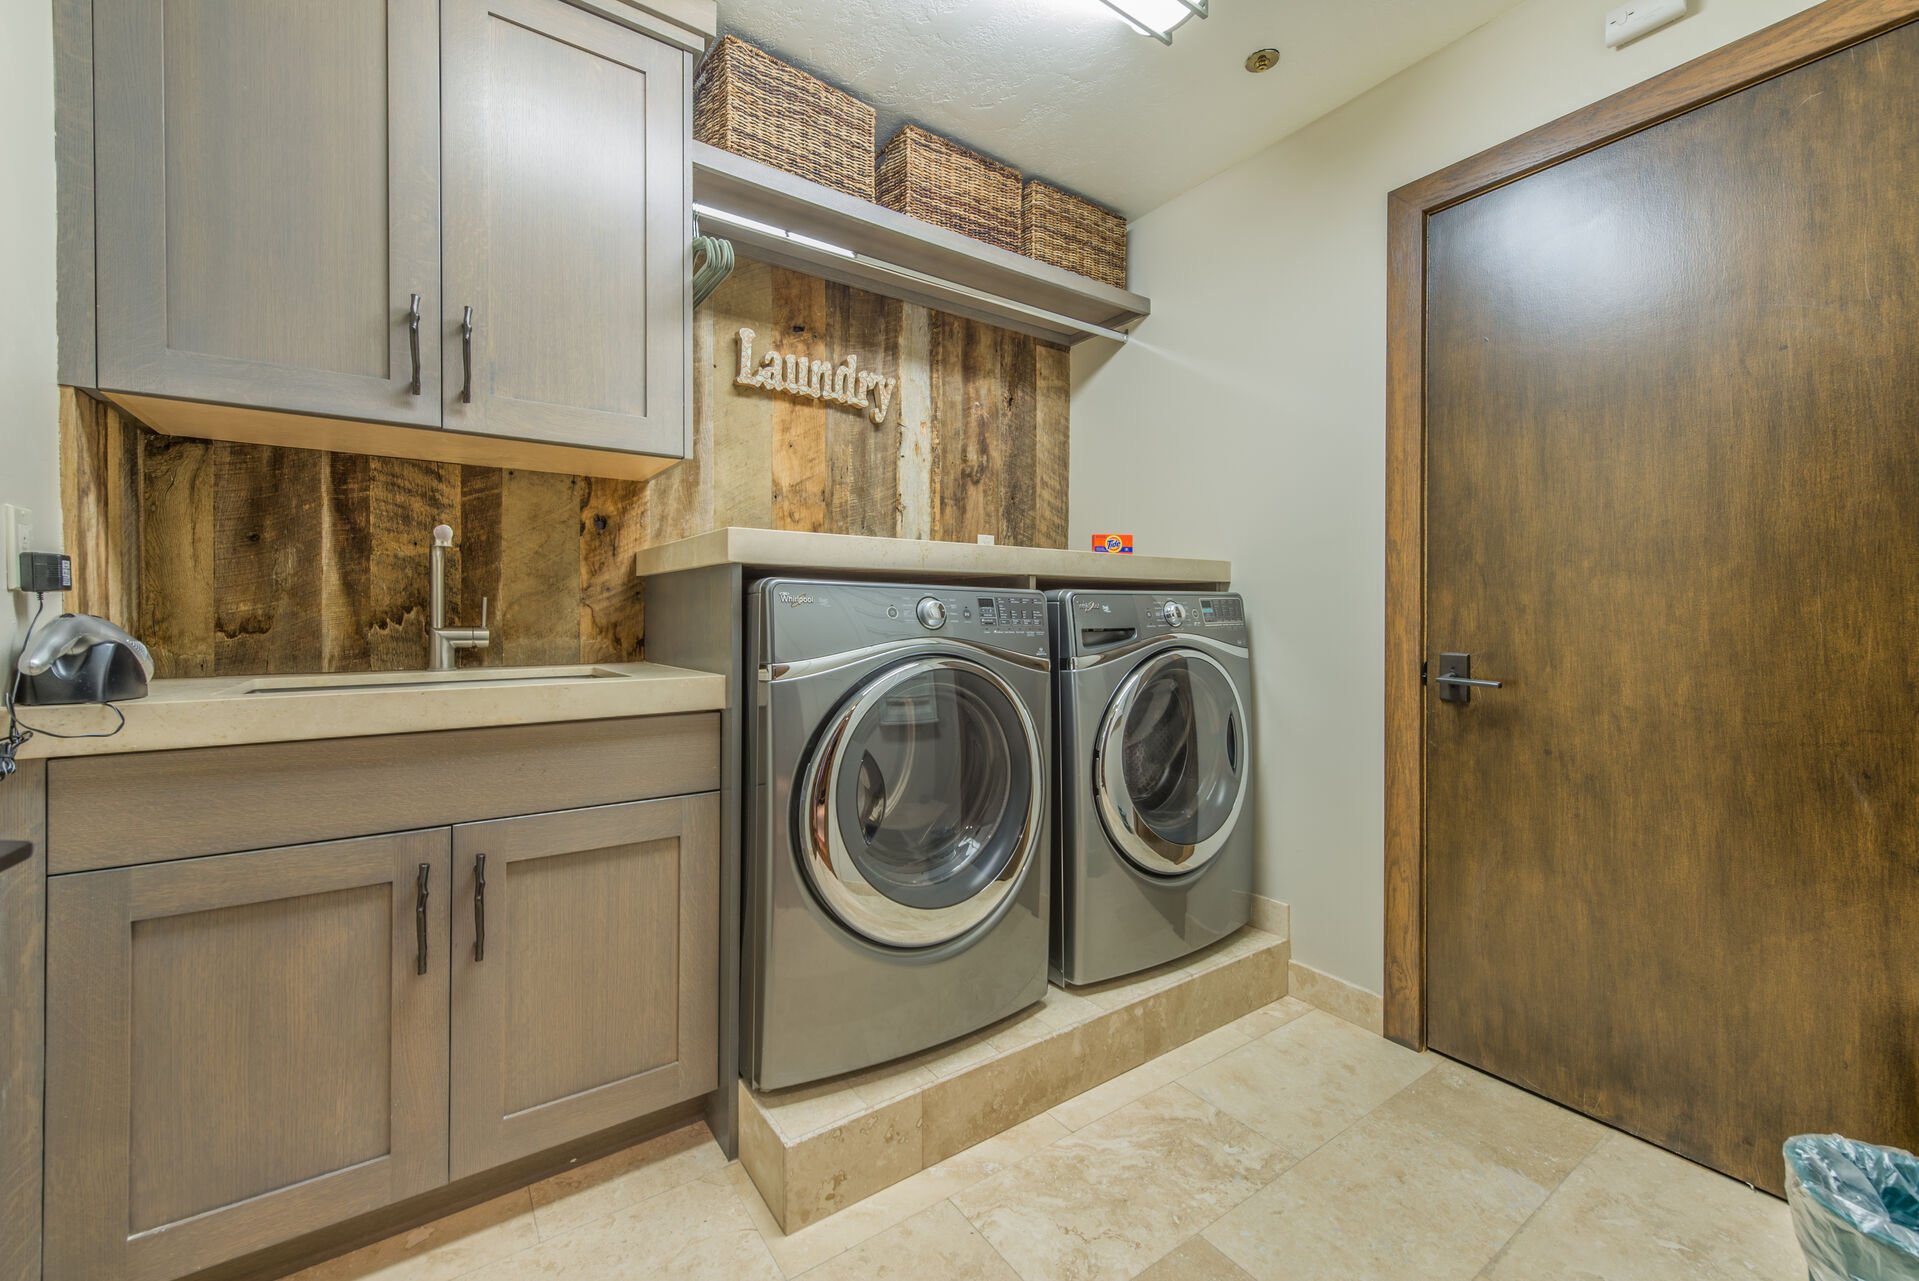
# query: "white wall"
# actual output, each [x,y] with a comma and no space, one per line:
[1247,416]
[29,431]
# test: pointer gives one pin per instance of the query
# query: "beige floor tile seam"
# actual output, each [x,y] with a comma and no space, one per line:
[1605,1132]
[1330,1139]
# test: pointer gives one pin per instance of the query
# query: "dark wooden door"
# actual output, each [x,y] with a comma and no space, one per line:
[1673,495]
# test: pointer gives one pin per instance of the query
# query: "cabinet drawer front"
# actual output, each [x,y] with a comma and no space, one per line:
[241,1049]
[585,974]
[112,811]
[268,182]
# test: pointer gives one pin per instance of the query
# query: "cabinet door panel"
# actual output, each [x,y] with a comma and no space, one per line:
[241,1050]
[566,227]
[268,191]
[593,999]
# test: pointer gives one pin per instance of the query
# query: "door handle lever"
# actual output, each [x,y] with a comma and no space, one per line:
[1456,680]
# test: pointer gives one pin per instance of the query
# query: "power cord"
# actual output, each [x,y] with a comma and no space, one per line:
[18,731]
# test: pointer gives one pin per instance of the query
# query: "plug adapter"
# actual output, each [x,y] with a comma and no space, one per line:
[46,572]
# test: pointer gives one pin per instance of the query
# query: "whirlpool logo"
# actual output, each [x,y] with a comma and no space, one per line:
[797,599]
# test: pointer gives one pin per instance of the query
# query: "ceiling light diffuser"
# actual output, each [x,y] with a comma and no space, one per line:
[1157,18]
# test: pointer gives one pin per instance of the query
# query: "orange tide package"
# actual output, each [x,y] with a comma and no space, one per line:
[1120,544]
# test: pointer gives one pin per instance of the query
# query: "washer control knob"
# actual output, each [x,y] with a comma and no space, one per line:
[932,612]
[1174,613]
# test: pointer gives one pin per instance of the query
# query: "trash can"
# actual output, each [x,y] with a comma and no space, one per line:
[1855,1208]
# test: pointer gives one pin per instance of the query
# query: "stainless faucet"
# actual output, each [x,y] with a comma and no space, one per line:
[445,640]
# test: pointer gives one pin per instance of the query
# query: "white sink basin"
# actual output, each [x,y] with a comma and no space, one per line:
[472,678]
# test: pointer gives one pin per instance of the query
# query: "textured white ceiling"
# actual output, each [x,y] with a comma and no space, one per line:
[1063,89]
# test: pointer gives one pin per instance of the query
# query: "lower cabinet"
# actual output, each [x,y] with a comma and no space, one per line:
[243,1048]
[240,1049]
[585,974]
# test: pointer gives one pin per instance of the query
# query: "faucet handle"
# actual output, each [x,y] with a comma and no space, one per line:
[443,535]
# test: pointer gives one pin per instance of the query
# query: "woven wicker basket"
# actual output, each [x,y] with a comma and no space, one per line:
[1066,231]
[939,181]
[750,103]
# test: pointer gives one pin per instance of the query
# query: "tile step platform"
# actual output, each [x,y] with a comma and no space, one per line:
[816,1149]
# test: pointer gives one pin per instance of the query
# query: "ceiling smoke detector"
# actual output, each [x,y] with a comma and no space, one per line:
[1158,18]
[1262,60]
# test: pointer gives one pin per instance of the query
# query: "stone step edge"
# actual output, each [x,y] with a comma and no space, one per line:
[823,1172]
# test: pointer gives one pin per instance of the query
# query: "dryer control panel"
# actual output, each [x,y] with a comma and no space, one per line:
[1091,621]
[803,619]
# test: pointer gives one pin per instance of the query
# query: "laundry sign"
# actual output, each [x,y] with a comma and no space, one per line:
[840,382]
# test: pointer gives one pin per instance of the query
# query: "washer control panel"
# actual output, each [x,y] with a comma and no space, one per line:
[803,618]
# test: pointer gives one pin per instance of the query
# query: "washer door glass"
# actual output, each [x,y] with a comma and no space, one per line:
[1170,776]
[922,802]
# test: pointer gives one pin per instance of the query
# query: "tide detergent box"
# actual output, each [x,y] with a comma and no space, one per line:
[1119,544]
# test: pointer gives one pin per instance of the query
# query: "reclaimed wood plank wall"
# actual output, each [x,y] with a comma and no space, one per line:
[243,559]
[976,442]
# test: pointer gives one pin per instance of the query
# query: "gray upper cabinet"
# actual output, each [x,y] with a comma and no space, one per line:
[267,182]
[566,228]
[274,184]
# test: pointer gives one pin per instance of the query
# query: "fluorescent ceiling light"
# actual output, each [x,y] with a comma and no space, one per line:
[1157,18]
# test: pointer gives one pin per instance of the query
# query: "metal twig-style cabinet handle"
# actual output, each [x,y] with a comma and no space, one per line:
[479,907]
[413,342]
[419,919]
[13,853]
[466,357]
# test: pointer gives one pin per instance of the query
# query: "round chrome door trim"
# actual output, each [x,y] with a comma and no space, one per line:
[1134,837]
[828,865]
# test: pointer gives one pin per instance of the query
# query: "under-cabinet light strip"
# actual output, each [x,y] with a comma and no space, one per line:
[907,274]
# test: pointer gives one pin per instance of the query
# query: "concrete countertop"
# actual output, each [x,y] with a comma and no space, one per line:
[224,711]
[786,551]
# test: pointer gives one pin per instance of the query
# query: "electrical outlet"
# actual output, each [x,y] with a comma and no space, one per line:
[16,536]
[1631,21]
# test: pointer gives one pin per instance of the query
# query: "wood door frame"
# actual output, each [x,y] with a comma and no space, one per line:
[1803,38]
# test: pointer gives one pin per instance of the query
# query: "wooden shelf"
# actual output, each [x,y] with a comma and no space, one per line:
[889,253]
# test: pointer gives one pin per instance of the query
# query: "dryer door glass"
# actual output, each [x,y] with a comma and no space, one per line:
[1172,762]
[922,802]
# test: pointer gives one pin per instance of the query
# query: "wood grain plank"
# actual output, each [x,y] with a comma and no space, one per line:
[740,467]
[406,499]
[539,603]
[268,529]
[1052,443]
[799,426]
[83,500]
[177,613]
[612,604]
[862,458]
[918,429]
[346,562]
[1016,420]
[478,564]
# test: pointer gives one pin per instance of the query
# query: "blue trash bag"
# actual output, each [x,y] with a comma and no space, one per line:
[1855,1208]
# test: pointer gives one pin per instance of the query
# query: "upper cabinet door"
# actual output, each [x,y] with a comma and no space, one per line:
[268,192]
[566,228]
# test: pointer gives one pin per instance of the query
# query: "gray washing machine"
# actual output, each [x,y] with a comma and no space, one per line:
[898,759]
[1154,828]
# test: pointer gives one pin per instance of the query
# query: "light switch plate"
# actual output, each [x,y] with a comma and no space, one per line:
[16,536]
[1630,21]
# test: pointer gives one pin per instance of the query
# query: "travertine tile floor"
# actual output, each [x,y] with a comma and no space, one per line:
[1286,1145]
